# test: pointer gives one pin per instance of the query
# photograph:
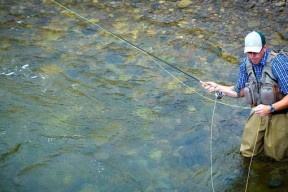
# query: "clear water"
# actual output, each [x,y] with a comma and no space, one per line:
[81,110]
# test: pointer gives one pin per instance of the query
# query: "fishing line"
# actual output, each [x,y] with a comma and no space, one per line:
[211,144]
[155,58]
[250,164]
[152,57]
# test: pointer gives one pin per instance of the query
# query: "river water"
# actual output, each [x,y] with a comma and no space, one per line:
[82,110]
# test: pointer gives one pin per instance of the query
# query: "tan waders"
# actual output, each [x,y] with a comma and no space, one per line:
[272,136]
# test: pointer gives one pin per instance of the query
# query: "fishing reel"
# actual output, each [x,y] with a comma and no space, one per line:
[219,95]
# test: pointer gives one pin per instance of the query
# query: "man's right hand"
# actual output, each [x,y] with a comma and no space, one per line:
[209,86]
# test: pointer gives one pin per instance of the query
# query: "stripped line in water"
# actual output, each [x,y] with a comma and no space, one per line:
[250,164]
[211,145]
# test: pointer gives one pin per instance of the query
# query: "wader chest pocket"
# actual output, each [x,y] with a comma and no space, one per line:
[251,94]
[268,95]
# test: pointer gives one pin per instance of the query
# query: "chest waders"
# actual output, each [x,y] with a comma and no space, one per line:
[265,91]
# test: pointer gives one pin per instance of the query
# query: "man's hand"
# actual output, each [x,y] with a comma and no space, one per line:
[209,86]
[262,110]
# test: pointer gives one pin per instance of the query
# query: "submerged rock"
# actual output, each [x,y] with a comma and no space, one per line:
[276,179]
[184,3]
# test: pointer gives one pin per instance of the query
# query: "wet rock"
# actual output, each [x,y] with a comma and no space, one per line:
[277,38]
[184,3]
[248,4]
[280,4]
[281,9]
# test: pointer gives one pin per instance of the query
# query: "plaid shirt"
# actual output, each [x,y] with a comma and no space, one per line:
[279,70]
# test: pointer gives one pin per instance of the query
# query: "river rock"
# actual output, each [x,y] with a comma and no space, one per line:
[280,4]
[184,3]
[276,179]
[248,5]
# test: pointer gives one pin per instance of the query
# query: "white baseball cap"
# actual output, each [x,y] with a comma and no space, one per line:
[254,42]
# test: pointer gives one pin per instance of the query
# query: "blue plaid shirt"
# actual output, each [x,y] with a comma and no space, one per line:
[279,70]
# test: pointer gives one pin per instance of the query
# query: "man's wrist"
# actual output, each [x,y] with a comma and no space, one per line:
[272,108]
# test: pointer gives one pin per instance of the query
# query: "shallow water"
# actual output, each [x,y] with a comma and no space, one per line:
[82,110]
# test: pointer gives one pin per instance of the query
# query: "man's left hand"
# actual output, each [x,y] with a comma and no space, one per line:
[262,110]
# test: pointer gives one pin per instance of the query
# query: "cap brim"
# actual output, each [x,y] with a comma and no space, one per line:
[252,49]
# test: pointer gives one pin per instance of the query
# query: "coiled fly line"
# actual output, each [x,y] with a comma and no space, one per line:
[155,59]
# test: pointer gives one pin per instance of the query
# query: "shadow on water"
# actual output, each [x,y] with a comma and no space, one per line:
[82,110]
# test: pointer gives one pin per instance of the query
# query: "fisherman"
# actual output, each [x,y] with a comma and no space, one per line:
[263,81]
